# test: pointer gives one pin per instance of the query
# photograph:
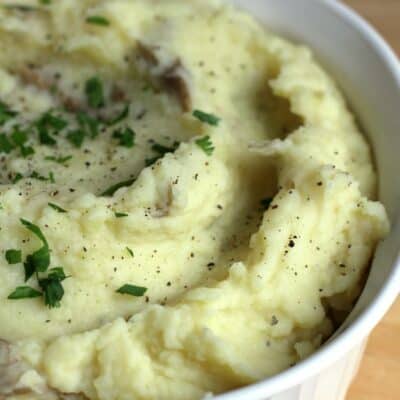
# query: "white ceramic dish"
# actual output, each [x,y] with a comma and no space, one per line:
[369,74]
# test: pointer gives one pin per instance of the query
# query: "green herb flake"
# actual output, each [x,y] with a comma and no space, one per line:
[206,145]
[130,251]
[6,113]
[125,136]
[112,189]
[53,291]
[27,151]
[98,20]
[57,273]
[40,259]
[206,118]
[35,230]
[50,120]
[59,160]
[88,124]
[45,2]
[121,215]
[5,145]
[45,137]
[94,92]
[57,208]
[19,137]
[13,256]
[24,292]
[132,290]
[121,116]
[17,177]
[76,137]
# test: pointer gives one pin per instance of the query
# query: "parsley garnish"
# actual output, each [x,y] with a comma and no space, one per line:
[76,137]
[52,121]
[112,189]
[17,177]
[19,137]
[58,160]
[6,113]
[45,2]
[57,208]
[38,261]
[53,291]
[122,115]
[161,150]
[94,92]
[121,215]
[98,20]
[126,137]
[207,118]
[36,175]
[88,123]
[13,256]
[206,145]
[5,145]
[130,251]
[24,292]
[27,151]
[44,136]
[35,230]
[132,290]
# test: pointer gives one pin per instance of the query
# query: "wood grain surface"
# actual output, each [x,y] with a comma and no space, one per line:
[379,375]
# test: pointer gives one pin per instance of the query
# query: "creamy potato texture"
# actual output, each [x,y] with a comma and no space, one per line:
[179,148]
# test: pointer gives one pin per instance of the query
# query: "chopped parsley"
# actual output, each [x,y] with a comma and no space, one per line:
[161,150]
[24,292]
[52,121]
[132,290]
[98,20]
[121,215]
[17,177]
[112,189]
[44,136]
[76,137]
[130,251]
[19,137]
[35,230]
[119,117]
[38,261]
[125,136]
[36,175]
[13,256]
[5,145]
[58,160]
[94,92]
[206,145]
[45,2]
[27,151]
[53,290]
[57,208]
[210,119]
[89,124]
[6,113]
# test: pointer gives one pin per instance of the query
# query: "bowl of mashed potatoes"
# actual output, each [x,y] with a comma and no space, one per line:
[189,206]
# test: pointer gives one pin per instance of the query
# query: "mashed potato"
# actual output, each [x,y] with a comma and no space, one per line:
[185,200]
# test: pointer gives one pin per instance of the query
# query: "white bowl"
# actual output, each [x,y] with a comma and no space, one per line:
[369,74]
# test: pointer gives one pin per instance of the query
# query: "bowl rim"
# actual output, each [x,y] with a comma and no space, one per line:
[369,318]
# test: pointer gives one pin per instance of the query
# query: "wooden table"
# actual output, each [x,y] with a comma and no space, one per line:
[379,376]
